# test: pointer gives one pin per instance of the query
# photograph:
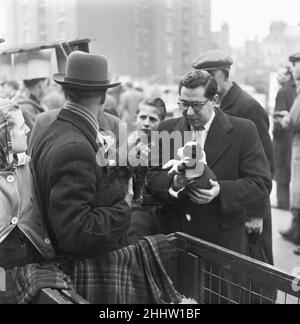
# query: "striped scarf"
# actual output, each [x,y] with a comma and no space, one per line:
[83,112]
[7,159]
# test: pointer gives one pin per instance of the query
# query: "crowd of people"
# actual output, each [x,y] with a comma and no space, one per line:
[82,213]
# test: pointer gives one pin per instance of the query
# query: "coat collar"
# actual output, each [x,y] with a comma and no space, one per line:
[218,139]
[231,96]
[81,123]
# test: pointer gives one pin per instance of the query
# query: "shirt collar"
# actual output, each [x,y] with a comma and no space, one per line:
[208,124]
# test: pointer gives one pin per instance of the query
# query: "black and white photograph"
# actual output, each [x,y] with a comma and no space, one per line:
[149,154]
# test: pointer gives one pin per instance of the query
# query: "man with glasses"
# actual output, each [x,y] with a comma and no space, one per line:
[233,152]
[236,102]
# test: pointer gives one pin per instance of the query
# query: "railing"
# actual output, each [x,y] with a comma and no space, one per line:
[213,275]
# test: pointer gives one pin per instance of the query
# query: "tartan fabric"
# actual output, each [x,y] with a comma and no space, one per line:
[132,275]
[6,154]
[24,283]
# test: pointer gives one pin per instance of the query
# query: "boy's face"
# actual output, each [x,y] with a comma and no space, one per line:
[147,118]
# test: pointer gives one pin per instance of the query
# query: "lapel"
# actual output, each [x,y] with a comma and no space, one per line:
[230,97]
[81,123]
[218,139]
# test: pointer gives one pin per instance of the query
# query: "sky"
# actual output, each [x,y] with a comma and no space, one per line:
[250,18]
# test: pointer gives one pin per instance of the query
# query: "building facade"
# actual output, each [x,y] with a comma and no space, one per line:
[145,39]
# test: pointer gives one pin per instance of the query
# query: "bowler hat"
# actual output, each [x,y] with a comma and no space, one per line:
[85,71]
[213,60]
[294,58]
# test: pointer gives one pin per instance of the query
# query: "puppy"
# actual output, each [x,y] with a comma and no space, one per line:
[193,164]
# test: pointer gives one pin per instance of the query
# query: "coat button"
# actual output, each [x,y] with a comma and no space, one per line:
[14,221]
[10,179]
[188,217]
[47,241]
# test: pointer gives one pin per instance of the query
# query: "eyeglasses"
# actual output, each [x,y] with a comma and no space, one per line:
[196,105]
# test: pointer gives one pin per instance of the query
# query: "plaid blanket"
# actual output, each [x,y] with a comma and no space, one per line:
[132,275]
[24,283]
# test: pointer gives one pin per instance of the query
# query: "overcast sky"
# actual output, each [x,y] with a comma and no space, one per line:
[248,18]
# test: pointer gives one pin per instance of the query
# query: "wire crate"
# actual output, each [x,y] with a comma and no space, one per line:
[214,275]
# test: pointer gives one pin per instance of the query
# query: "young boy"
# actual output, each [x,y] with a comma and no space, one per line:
[144,208]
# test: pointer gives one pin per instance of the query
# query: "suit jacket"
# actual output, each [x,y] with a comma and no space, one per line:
[238,103]
[68,180]
[43,121]
[235,154]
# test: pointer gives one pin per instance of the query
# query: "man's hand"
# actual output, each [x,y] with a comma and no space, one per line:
[254,225]
[203,197]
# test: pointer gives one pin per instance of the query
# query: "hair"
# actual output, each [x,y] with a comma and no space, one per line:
[77,95]
[157,103]
[33,82]
[200,78]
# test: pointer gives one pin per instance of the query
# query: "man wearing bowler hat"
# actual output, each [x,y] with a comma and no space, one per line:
[236,102]
[67,176]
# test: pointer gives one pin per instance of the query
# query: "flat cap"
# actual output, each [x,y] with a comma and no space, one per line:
[213,60]
[295,57]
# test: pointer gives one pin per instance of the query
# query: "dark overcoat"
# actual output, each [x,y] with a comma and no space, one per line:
[235,154]
[282,138]
[69,180]
[239,103]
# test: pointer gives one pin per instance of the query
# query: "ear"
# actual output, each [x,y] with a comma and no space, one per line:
[216,99]
[103,98]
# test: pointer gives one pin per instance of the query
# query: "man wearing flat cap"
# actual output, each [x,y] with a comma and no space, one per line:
[292,122]
[68,179]
[236,102]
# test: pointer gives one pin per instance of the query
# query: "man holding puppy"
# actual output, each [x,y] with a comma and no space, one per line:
[235,155]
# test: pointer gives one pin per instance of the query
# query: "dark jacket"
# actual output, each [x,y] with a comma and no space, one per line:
[282,138]
[238,103]
[68,180]
[235,154]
